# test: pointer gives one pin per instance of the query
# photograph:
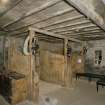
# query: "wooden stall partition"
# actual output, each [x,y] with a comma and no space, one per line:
[18,62]
[77,63]
[52,67]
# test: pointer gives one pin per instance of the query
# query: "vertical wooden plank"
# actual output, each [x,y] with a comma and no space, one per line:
[34,78]
[83,57]
[4,51]
[8,55]
[36,73]
[65,57]
[30,66]
[68,70]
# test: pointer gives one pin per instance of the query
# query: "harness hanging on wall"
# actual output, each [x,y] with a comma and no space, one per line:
[34,46]
[84,50]
[69,51]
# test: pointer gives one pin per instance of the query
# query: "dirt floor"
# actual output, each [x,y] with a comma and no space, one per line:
[2,101]
[83,93]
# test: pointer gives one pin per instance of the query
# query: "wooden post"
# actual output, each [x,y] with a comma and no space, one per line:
[83,57]
[34,78]
[31,33]
[4,51]
[68,71]
[35,75]
[65,57]
[8,55]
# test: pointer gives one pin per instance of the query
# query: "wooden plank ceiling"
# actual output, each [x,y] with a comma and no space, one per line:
[54,16]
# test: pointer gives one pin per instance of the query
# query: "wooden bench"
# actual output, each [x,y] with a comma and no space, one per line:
[90,76]
[100,82]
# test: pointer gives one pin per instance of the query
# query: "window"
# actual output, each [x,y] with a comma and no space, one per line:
[98,57]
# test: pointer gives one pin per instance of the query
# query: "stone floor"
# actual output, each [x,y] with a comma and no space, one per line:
[83,93]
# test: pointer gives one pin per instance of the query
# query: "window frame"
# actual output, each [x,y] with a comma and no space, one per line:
[98,57]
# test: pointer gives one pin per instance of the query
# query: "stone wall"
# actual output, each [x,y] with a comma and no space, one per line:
[90,57]
[1,49]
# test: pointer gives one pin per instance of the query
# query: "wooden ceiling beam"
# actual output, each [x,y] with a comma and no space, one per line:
[85,13]
[62,21]
[70,25]
[53,35]
[73,32]
[11,7]
[45,33]
[32,12]
[83,33]
[50,17]
[76,28]
[91,38]
[86,35]
[82,38]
